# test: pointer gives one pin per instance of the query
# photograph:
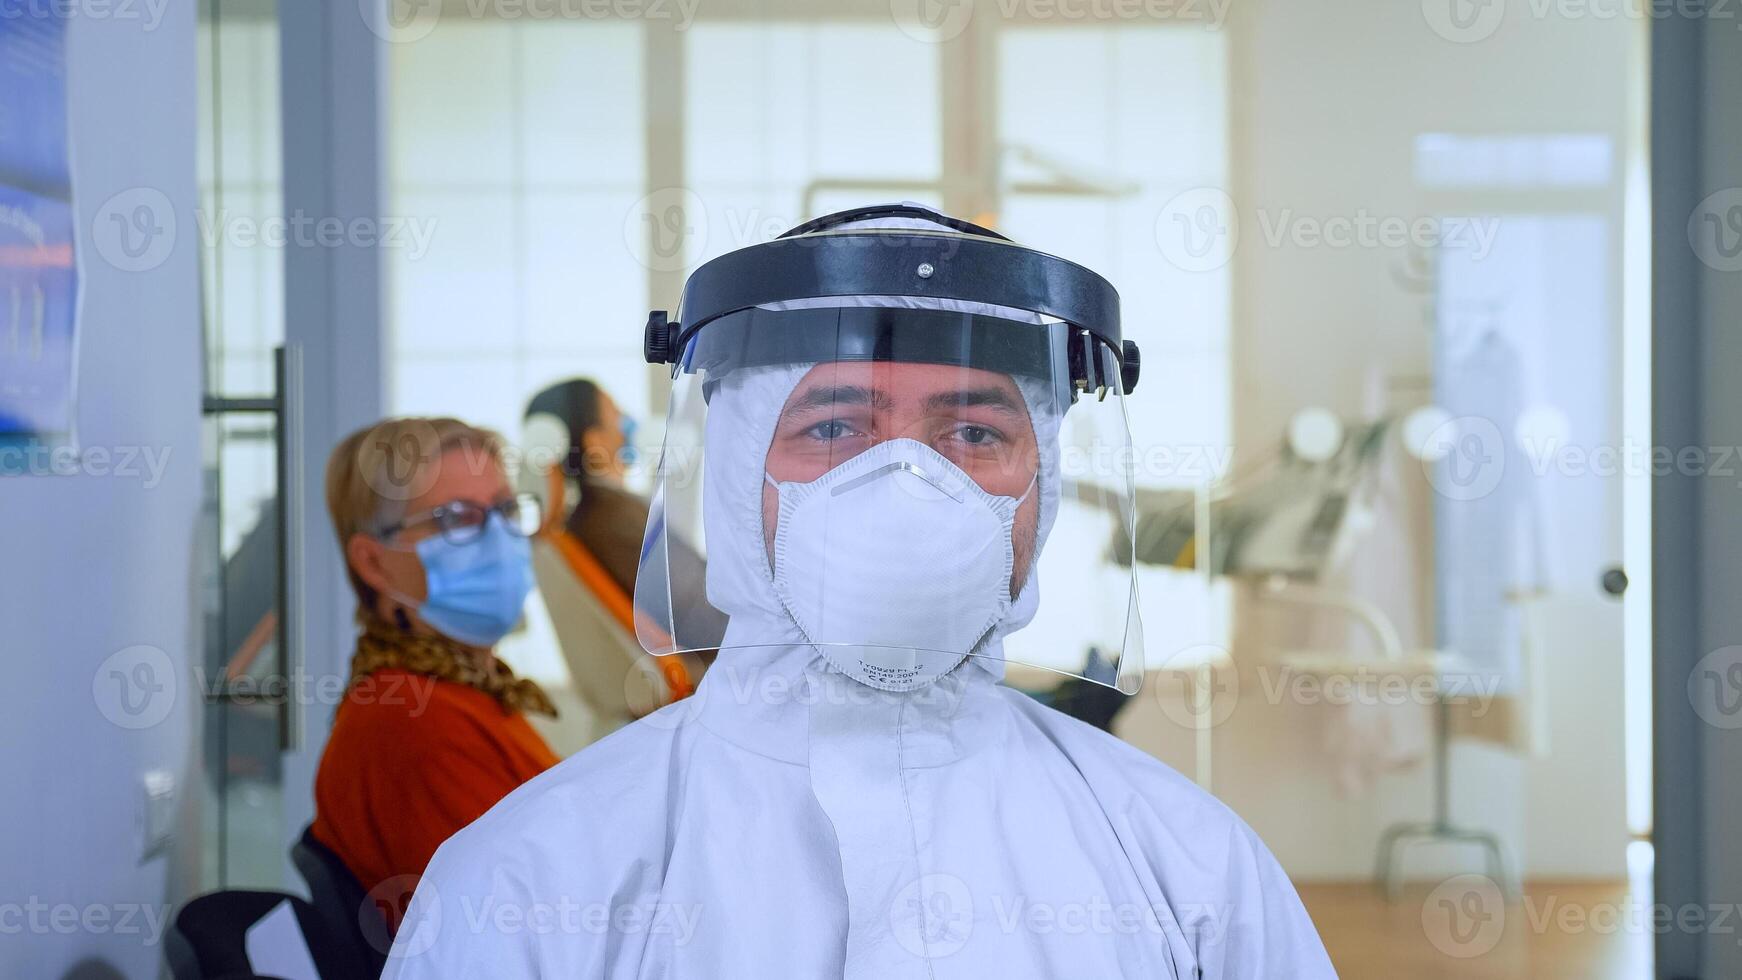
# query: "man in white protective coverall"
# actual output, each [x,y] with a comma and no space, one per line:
[866,434]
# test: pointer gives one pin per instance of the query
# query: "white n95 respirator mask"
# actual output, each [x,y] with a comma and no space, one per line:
[895,564]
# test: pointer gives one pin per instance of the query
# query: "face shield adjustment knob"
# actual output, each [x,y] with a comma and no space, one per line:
[1130,366]
[659,343]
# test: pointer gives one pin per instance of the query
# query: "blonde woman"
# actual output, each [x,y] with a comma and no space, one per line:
[432,730]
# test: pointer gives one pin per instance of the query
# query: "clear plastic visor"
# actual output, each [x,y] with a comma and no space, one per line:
[913,485]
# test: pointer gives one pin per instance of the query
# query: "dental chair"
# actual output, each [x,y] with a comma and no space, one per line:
[1285,527]
[350,915]
[614,680]
[209,939]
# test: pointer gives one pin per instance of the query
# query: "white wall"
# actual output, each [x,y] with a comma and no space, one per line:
[96,564]
[1328,98]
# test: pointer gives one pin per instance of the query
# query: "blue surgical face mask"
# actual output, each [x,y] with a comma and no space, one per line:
[476,589]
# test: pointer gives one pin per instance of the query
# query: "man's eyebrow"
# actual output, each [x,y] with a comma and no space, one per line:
[990,397]
[825,396]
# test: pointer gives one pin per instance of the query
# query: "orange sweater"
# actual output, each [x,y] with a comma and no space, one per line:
[411,760]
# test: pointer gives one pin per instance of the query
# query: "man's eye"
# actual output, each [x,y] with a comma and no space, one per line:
[976,435]
[832,429]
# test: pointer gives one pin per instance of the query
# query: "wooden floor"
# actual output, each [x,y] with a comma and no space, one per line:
[1458,929]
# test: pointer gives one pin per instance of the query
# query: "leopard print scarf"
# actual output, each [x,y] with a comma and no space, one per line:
[382,645]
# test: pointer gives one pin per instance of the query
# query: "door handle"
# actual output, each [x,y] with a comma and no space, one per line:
[287,436]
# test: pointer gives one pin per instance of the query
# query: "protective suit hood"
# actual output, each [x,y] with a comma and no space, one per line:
[742,413]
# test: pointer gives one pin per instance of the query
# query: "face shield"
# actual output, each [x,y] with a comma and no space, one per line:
[890,436]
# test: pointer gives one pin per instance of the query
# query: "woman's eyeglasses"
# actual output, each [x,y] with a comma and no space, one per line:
[462,521]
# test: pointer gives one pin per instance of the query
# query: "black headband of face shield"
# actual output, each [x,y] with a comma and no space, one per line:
[922,266]
[759,338]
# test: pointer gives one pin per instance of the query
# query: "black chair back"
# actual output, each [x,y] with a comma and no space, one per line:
[208,937]
[347,910]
